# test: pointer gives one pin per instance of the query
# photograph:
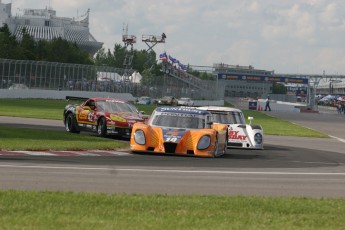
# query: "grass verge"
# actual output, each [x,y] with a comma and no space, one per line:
[67,210]
[30,139]
[275,126]
[33,108]
[45,108]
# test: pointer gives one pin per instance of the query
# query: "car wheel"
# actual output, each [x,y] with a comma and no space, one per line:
[71,124]
[102,127]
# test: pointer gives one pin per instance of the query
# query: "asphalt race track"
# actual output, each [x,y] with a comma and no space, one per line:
[288,166]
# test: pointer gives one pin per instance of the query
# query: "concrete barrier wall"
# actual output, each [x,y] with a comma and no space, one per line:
[281,106]
[275,105]
[208,103]
[55,94]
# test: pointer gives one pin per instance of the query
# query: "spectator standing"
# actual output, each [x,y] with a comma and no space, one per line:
[339,107]
[268,104]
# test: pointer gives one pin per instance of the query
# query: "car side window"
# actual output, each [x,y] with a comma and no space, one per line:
[100,106]
[91,104]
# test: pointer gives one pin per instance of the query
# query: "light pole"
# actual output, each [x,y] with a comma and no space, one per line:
[331,82]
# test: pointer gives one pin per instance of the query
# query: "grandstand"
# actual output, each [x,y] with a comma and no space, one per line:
[44,24]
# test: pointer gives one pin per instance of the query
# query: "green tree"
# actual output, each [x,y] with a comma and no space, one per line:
[8,43]
[27,46]
[113,59]
[143,61]
[139,59]
[279,88]
[206,76]
[42,50]
[56,50]
[100,57]
[193,72]
[119,55]
[60,50]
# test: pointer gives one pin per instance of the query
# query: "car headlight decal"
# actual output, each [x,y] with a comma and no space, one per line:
[258,138]
[204,142]
[139,137]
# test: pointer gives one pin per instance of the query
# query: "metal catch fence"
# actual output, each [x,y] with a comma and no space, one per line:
[63,76]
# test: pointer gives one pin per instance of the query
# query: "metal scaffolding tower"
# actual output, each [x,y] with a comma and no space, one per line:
[129,41]
[151,41]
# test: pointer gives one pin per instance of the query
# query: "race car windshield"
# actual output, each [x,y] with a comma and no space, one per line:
[114,107]
[178,122]
[228,118]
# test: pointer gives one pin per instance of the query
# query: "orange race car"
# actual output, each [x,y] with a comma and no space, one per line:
[180,130]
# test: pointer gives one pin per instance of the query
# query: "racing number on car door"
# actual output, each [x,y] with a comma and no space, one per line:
[91,116]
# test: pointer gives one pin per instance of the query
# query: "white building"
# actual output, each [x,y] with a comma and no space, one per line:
[43,24]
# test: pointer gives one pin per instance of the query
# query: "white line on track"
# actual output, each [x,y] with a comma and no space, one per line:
[82,153]
[35,153]
[174,171]
[339,139]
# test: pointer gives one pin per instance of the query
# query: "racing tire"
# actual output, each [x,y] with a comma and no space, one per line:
[102,127]
[71,124]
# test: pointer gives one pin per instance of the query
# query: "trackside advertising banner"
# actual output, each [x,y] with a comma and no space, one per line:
[298,91]
[257,78]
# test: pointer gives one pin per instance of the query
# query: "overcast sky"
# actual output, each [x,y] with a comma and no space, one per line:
[287,36]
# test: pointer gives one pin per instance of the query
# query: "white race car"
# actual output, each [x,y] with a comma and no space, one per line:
[185,101]
[240,134]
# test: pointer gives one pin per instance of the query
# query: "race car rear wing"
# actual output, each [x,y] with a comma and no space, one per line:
[76,98]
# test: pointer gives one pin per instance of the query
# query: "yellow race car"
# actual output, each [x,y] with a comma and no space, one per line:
[180,130]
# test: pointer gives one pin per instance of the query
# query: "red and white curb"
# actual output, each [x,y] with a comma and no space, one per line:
[64,153]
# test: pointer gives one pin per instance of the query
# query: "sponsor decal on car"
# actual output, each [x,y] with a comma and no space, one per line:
[172,135]
[117,118]
[234,135]
[83,115]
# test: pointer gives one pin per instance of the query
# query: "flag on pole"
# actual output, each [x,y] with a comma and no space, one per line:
[163,56]
[182,66]
[173,60]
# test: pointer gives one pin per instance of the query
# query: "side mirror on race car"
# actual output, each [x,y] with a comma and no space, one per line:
[250,119]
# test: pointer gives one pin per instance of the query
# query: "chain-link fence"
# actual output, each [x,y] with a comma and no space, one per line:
[53,75]
[63,76]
